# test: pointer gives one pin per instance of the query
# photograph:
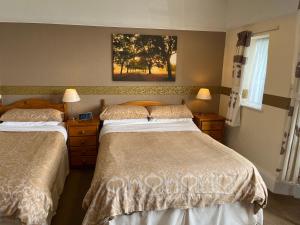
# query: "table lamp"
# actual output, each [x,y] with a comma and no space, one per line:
[71,96]
[204,94]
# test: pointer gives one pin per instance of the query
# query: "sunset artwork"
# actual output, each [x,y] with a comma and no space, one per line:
[138,57]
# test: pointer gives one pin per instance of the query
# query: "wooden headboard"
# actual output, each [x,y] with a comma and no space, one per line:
[34,104]
[143,103]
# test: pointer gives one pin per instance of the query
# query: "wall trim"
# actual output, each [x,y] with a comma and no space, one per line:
[271,100]
[106,90]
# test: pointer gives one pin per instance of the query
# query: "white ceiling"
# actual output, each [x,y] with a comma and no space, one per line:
[212,15]
[242,12]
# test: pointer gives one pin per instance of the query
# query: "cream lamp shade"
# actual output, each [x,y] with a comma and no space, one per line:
[204,94]
[71,95]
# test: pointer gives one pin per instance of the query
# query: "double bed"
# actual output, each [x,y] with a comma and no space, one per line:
[166,171]
[33,166]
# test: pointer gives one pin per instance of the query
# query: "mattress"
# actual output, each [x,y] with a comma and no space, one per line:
[151,168]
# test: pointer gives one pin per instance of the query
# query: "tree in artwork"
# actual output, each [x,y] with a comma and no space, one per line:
[144,57]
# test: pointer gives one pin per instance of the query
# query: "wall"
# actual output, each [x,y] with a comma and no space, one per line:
[42,55]
[245,12]
[298,33]
[166,14]
[260,134]
[0,87]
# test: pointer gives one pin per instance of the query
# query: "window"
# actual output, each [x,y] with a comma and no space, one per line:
[254,74]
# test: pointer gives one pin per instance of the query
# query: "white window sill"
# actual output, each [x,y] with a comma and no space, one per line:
[252,106]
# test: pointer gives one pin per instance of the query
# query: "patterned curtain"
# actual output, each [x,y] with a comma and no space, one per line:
[239,60]
[290,148]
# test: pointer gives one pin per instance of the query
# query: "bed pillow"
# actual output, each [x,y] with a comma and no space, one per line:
[32,115]
[121,112]
[30,124]
[169,112]
[126,121]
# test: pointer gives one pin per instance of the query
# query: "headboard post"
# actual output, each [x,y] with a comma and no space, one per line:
[102,105]
[65,111]
[143,103]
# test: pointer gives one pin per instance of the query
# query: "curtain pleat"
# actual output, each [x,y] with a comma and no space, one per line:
[239,60]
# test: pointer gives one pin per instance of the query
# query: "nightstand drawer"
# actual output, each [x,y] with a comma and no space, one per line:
[83,131]
[78,160]
[212,125]
[83,141]
[216,134]
[84,151]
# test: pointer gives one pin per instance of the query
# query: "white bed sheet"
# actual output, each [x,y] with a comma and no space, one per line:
[149,126]
[226,214]
[34,126]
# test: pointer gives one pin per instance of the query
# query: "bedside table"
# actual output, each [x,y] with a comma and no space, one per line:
[211,124]
[83,142]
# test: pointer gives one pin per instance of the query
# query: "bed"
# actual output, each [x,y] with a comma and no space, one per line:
[168,172]
[33,166]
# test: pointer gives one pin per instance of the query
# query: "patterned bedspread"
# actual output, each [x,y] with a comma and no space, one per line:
[142,171]
[29,162]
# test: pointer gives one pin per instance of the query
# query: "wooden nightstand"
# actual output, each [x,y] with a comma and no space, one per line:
[83,142]
[211,124]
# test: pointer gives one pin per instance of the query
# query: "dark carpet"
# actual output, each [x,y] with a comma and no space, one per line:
[69,210]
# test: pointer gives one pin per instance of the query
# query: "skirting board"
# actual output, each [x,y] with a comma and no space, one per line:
[279,187]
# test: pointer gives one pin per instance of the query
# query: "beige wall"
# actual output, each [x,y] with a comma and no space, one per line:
[0,86]
[260,134]
[62,55]
[298,34]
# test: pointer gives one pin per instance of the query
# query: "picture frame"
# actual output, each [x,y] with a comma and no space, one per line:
[139,57]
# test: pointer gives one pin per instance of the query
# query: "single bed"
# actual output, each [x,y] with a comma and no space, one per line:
[167,172]
[33,166]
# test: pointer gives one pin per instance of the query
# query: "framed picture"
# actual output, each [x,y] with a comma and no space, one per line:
[138,57]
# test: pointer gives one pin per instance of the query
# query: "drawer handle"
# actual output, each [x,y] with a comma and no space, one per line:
[82,132]
[82,142]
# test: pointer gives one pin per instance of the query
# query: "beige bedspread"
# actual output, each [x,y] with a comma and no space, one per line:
[142,171]
[28,165]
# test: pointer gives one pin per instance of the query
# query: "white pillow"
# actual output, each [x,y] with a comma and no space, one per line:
[154,120]
[126,121]
[30,124]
